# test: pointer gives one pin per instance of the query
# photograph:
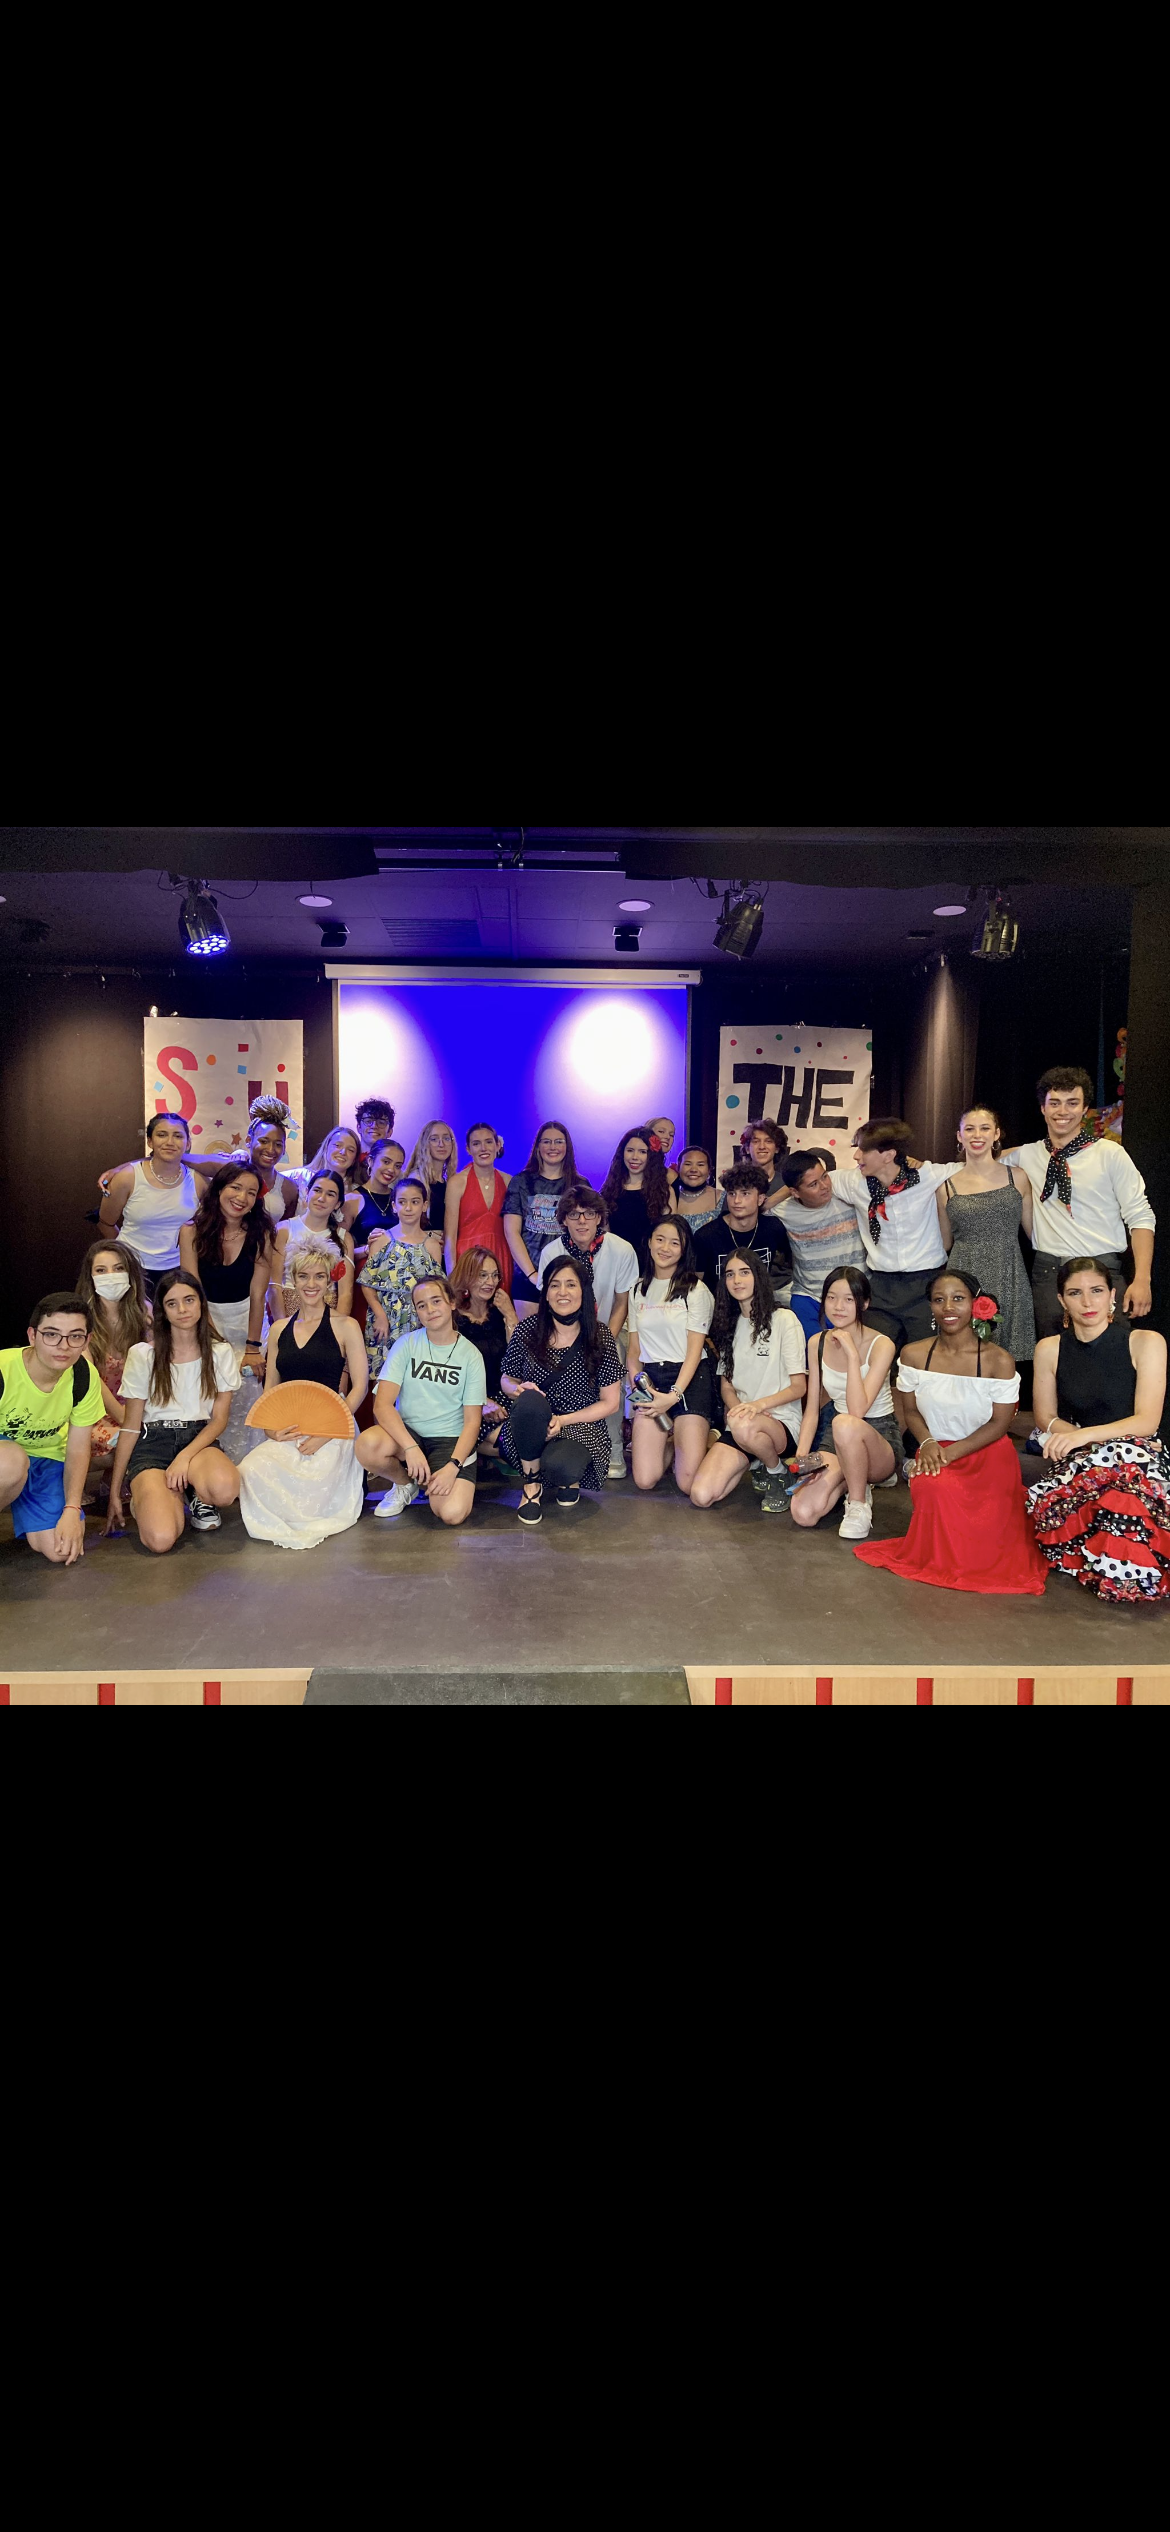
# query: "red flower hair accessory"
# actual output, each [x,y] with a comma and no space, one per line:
[986,1311]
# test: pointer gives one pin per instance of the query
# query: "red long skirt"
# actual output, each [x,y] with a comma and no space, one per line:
[970,1530]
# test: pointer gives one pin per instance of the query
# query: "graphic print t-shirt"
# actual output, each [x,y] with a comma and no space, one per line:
[436,1384]
[39,1420]
[536,1201]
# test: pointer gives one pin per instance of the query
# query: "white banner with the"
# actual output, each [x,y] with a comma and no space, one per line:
[209,1072]
[815,1082]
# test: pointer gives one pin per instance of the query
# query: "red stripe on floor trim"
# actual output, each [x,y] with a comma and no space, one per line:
[723,1692]
[1026,1692]
[5,1693]
[1125,1692]
[105,1692]
[824,1692]
[211,1693]
[926,1692]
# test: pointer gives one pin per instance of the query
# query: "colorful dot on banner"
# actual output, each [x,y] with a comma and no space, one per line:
[242,1069]
[229,1103]
[779,1038]
[869,1046]
[241,1050]
[735,1041]
[796,1050]
[820,1045]
[832,1142]
[759,1050]
[211,1059]
[734,1103]
[158,1085]
[280,1068]
[196,1129]
[219,1121]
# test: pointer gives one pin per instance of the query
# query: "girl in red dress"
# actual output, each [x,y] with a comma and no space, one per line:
[970,1530]
[475,1205]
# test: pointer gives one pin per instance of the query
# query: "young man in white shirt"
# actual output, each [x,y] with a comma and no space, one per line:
[587,1240]
[897,1215]
[1090,1201]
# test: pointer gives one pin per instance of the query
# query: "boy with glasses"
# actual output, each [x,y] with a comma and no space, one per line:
[50,1400]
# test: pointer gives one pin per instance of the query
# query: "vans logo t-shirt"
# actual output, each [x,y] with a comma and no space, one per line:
[436,1384]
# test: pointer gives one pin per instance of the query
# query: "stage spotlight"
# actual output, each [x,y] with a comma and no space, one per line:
[334,936]
[627,939]
[741,924]
[202,929]
[997,938]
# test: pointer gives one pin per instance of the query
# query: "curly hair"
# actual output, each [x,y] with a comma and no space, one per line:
[209,1225]
[539,1331]
[268,1112]
[728,1313]
[655,1183]
[984,1329]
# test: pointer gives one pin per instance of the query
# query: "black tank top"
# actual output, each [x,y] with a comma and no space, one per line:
[1097,1383]
[321,1359]
[228,1283]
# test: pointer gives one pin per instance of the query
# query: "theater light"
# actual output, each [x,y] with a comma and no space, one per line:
[997,938]
[741,924]
[202,930]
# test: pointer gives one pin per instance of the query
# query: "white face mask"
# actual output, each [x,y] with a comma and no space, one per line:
[111,1287]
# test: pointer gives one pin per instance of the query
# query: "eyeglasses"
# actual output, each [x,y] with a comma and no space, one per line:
[49,1336]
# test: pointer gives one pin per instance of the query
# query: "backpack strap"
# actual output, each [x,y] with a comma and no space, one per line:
[81,1372]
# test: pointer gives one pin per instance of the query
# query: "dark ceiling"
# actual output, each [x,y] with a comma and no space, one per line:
[126,918]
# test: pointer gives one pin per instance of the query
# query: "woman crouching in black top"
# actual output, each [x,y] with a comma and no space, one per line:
[562,1373]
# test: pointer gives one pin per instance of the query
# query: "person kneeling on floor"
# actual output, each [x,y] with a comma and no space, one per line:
[429,1407]
[849,1440]
[562,1373]
[761,1356]
[50,1401]
[178,1391]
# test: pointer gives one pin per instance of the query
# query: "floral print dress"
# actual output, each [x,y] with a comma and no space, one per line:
[391,1276]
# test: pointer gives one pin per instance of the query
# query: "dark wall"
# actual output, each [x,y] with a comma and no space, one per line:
[71,1098]
[1040,1011]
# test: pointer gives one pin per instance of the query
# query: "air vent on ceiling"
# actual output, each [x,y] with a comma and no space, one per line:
[440,934]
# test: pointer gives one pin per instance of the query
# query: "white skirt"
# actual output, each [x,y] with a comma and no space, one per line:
[291,1501]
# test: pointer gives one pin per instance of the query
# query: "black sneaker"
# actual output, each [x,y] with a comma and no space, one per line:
[531,1511]
[568,1498]
[203,1516]
[775,1493]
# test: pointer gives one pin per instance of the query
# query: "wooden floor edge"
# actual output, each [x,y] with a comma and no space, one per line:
[902,1684]
[209,1686]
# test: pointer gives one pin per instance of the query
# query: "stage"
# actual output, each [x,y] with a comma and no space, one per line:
[614,1604]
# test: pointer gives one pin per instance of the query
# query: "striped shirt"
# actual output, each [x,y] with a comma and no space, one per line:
[824,1239]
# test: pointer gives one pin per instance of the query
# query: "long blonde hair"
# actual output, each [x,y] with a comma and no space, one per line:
[420,1164]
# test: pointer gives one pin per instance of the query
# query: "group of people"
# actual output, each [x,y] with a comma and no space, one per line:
[816,1331]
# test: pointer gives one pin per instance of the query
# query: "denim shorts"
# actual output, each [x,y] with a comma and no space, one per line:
[886,1425]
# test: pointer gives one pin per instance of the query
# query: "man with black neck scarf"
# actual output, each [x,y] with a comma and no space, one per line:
[1090,1201]
[744,1225]
[897,1213]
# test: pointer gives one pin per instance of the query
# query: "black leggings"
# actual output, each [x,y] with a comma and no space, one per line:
[562,1462]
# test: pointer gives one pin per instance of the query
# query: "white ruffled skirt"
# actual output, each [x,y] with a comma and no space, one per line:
[290,1501]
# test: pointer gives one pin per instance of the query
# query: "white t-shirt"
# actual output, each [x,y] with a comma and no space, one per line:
[663,1327]
[911,1241]
[187,1405]
[954,1405]
[615,1270]
[762,1365]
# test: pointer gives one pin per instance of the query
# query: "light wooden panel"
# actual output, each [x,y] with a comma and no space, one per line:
[1078,1687]
[52,1688]
[977,1687]
[158,1688]
[264,1687]
[853,1686]
[1150,1687]
[755,1687]
[873,1687]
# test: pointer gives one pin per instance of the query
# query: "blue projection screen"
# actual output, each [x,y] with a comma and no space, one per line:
[602,1059]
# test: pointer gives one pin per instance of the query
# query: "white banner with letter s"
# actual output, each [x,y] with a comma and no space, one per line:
[209,1071]
[815,1082]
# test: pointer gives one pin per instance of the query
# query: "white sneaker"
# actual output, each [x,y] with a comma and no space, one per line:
[617,1469]
[858,1521]
[395,1503]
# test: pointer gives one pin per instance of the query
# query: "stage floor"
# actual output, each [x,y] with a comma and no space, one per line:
[631,1582]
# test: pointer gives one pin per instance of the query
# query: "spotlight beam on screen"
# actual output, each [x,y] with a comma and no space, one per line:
[602,1056]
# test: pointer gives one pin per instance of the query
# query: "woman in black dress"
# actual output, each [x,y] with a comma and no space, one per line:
[1102,1513]
[562,1374]
[638,1193]
[484,1314]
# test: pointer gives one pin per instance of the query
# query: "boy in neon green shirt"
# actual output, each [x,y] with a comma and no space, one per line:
[50,1400]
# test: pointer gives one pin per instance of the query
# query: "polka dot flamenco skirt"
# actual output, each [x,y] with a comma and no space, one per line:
[1104,1518]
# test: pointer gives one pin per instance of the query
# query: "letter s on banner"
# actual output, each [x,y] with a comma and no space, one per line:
[184,1104]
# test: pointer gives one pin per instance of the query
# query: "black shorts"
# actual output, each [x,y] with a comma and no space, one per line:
[159,1444]
[439,1449]
[699,1398]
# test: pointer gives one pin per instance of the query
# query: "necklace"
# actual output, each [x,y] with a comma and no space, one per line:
[383,1209]
[152,1167]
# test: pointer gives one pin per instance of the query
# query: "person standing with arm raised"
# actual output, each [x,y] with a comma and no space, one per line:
[894,1198]
[147,1204]
[1090,1201]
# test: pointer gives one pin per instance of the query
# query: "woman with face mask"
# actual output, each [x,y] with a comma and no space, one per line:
[111,1285]
[698,1198]
[394,1265]
[294,1490]
[177,1390]
[563,1376]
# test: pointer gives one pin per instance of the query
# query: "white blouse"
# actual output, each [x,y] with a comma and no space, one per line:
[951,1406]
[663,1328]
[188,1405]
[762,1365]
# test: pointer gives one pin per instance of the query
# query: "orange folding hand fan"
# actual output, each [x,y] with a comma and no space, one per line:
[307,1406]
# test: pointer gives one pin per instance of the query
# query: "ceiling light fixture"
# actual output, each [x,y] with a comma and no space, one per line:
[634,905]
[997,938]
[952,909]
[317,902]
[202,929]
[741,923]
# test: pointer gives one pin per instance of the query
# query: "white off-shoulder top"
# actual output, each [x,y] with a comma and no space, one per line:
[953,1407]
